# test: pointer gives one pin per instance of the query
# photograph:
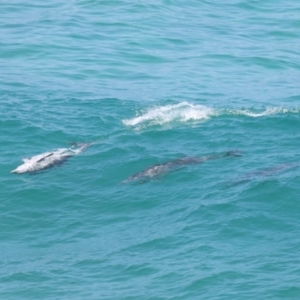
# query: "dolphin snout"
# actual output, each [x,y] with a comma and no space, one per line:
[18,170]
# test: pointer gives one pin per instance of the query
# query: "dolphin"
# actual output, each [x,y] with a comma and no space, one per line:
[267,172]
[49,159]
[160,169]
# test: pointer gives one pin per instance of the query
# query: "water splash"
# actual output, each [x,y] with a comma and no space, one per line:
[256,113]
[177,113]
[184,112]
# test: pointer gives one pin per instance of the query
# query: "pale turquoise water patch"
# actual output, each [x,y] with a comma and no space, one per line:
[150,83]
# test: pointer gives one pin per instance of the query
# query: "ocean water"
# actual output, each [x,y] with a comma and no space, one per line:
[149,82]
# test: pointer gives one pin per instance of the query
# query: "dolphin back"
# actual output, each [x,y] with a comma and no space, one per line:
[160,169]
[49,159]
[234,153]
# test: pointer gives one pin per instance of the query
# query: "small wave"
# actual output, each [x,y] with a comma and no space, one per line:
[177,113]
[183,112]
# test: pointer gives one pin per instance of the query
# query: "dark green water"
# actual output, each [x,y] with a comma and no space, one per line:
[150,82]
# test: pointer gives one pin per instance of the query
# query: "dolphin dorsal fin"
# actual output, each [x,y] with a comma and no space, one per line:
[25,160]
[41,159]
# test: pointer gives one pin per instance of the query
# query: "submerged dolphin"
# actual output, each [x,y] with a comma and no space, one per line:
[267,172]
[48,159]
[159,169]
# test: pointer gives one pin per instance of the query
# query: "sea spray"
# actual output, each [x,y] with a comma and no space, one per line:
[185,112]
[170,114]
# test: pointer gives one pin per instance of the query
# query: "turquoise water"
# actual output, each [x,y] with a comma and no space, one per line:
[150,82]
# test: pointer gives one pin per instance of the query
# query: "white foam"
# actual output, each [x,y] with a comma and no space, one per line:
[183,112]
[262,113]
[176,113]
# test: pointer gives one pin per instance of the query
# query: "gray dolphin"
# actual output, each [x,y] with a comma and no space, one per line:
[267,172]
[160,169]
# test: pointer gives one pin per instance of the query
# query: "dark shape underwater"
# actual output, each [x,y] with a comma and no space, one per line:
[267,172]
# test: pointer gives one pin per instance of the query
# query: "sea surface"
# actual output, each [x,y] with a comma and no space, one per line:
[149,82]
